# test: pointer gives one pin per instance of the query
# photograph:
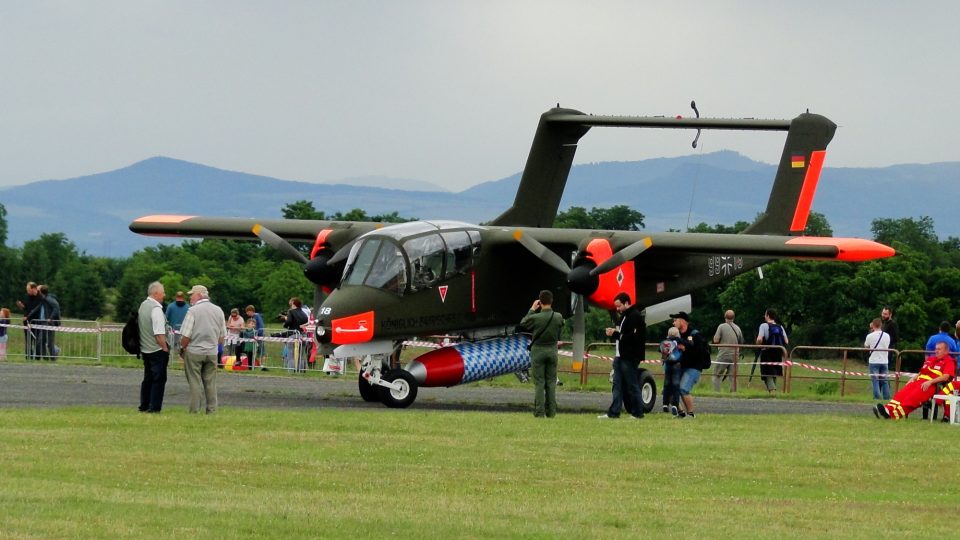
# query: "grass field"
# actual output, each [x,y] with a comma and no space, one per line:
[105,472]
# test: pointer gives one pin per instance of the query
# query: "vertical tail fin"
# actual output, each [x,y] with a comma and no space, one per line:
[797,176]
[545,174]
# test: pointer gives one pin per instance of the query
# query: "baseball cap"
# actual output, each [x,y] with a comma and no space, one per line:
[681,315]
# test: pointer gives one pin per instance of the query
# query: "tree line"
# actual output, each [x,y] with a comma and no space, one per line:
[820,303]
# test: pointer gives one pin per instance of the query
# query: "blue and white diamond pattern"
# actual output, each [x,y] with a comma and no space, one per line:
[493,357]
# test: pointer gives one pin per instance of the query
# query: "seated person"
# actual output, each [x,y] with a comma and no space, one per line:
[939,368]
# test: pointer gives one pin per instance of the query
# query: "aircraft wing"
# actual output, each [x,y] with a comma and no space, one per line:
[291,230]
[751,245]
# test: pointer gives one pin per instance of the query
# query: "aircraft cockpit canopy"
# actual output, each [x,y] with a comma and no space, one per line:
[409,257]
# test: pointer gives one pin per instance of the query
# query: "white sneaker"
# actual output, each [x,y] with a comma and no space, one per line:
[606,416]
[674,411]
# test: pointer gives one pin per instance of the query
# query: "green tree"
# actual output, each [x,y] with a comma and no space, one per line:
[79,290]
[817,225]
[618,218]
[302,209]
[43,257]
[3,225]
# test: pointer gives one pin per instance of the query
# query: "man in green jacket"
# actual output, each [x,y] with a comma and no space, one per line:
[545,325]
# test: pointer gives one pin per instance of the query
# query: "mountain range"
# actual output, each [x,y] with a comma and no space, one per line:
[720,187]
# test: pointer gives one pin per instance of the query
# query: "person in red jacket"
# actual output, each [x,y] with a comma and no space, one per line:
[936,369]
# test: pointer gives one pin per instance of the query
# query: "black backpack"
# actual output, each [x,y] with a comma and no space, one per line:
[130,336]
[704,350]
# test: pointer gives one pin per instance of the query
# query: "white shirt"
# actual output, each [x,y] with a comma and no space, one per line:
[878,340]
[205,326]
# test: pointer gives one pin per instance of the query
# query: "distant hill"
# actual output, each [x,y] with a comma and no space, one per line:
[724,187]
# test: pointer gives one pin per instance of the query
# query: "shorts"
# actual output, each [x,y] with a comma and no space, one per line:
[688,380]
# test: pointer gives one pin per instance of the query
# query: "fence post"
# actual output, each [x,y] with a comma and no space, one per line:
[843,375]
[584,364]
[788,369]
[733,371]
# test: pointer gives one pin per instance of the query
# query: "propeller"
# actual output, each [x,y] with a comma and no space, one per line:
[320,270]
[622,256]
[556,262]
[541,252]
[273,240]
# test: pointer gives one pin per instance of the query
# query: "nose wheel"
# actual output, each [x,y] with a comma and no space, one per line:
[402,391]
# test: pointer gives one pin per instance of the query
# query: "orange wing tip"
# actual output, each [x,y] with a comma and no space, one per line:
[256,229]
[163,218]
[848,249]
[517,234]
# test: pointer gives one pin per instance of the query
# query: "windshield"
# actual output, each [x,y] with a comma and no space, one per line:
[378,263]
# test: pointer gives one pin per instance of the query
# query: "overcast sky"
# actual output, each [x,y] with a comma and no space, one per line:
[450,92]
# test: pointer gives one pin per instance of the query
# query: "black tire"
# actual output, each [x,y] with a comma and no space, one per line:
[405,397]
[648,390]
[368,392]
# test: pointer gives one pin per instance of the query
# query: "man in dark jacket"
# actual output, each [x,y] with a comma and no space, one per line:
[691,361]
[51,309]
[890,327]
[630,337]
[30,306]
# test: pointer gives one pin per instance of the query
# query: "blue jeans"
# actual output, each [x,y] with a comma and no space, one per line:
[878,374]
[688,380]
[671,383]
[626,375]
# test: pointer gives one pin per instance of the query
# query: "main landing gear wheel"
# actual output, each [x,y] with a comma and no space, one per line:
[405,396]
[368,391]
[648,390]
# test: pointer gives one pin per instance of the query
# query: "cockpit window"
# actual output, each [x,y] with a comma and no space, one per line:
[426,254]
[388,271]
[412,256]
[377,263]
[358,265]
[459,252]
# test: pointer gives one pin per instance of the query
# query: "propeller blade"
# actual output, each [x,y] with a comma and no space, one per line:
[541,252]
[622,256]
[271,239]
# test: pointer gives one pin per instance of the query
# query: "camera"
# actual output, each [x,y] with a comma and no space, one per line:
[282,316]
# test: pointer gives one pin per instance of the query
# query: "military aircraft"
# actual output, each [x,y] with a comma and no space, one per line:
[382,284]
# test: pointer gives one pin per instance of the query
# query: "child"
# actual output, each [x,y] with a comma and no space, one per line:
[671,371]
[250,332]
[4,319]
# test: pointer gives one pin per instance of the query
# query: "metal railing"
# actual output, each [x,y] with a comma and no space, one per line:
[100,342]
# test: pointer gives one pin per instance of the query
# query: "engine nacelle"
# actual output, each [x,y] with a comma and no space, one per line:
[318,270]
[601,290]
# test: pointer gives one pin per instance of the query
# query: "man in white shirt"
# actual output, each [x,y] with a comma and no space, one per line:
[877,341]
[153,349]
[202,332]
